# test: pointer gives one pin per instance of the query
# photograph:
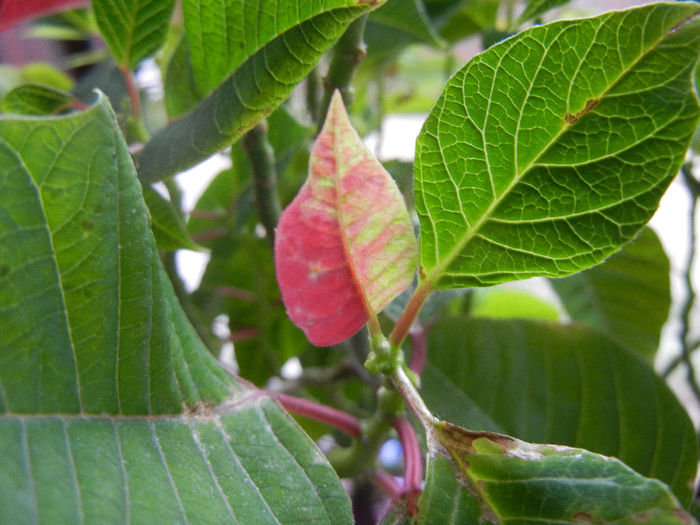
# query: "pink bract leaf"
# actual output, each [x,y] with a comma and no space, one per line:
[13,12]
[344,247]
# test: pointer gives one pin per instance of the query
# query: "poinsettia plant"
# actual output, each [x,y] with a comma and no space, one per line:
[371,312]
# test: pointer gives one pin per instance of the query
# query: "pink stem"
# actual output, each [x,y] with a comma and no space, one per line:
[243,334]
[419,345]
[237,293]
[413,462]
[332,416]
[133,92]
[387,484]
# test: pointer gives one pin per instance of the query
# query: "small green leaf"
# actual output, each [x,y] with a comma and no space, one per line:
[518,482]
[537,8]
[567,384]
[35,99]
[168,227]
[262,80]
[551,149]
[408,17]
[628,296]
[133,29]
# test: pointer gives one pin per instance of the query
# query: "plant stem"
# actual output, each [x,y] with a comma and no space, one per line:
[412,398]
[387,484]
[132,91]
[413,462]
[262,161]
[332,416]
[686,354]
[404,323]
[362,454]
[419,347]
[347,55]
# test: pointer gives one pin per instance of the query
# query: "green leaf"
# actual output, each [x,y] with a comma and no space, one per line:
[245,463]
[504,303]
[566,384]
[407,17]
[537,8]
[181,92]
[111,408]
[517,482]
[168,227]
[628,296]
[89,320]
[35,99]
[550,150]
[262,81]
[133,29]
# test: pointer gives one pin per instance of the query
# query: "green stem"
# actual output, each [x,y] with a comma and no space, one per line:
[361,456]
[262,161]
[347,55]
[413,399]
[313,88]
[686,310]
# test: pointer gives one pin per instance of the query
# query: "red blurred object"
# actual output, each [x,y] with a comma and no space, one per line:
[12,12]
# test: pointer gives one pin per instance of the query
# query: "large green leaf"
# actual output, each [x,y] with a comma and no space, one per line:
[567,384]
[497,479]
[547,152]
[85,310]
[133,29]
[628,296]
[247,463]
[111,408]
[261,78]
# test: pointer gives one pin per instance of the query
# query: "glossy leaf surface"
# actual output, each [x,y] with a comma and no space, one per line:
[344,247]
[567,384]
[133,29]
[111,409]
[550,150]
[263,78]
[510,481]
[628,296]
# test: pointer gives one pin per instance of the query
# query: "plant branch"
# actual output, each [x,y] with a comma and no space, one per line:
[413,462]
[409,315]
[262,161]
[348,52]
[408,390]
[132,91]
[688,303]
[387,484]
[311,409]
[362,454]
[419,347]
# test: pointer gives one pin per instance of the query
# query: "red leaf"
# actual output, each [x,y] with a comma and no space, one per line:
[344,247]
[13,12]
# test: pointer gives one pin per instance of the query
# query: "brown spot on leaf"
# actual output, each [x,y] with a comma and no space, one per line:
[582,517]
[590,104]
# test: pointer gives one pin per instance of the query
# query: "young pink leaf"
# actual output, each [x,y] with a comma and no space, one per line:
[344,247]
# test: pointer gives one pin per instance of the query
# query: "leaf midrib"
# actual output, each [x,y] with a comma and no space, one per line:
[444,262]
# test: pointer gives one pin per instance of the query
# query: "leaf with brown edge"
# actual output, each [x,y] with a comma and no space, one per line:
[507,481]
[344,247]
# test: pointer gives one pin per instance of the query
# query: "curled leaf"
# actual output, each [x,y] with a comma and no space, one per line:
[345,245]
